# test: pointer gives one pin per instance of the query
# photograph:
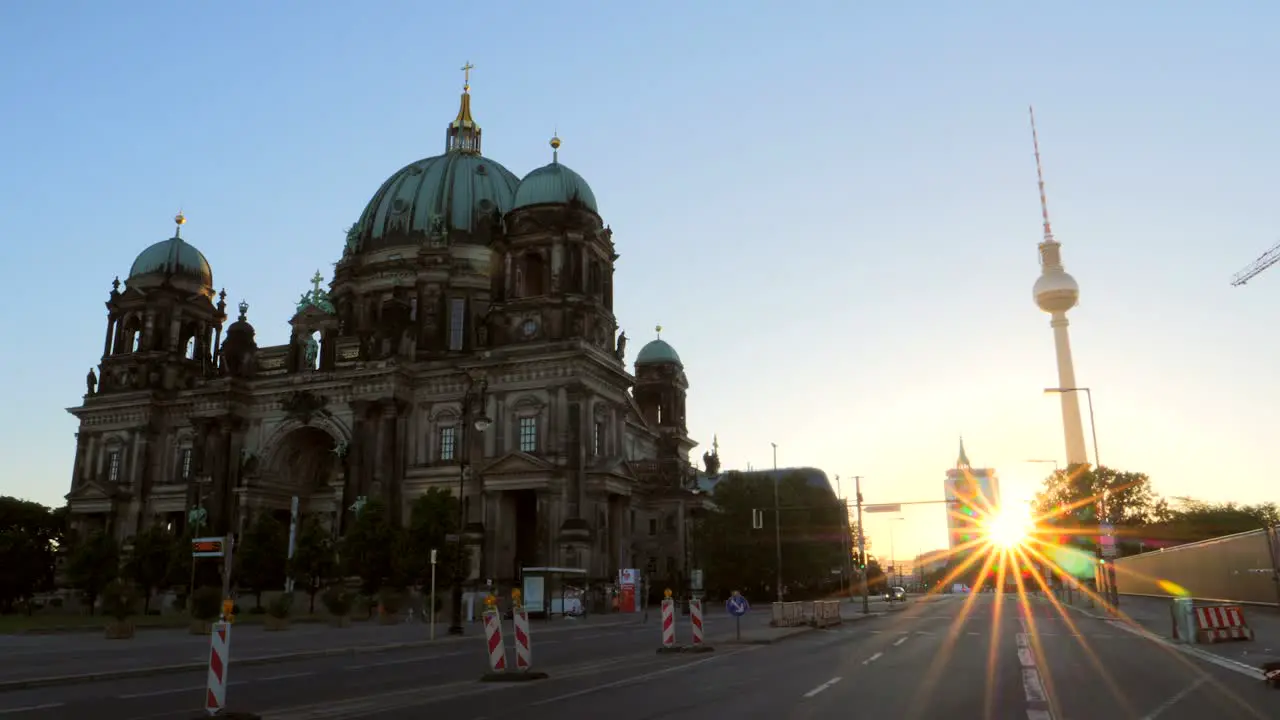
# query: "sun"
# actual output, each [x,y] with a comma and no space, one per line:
[1008,528]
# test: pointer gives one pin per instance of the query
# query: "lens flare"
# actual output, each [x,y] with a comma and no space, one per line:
[1009,528]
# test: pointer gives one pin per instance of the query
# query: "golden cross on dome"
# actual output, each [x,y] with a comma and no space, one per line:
[316,280]
[658,329]
[466,75]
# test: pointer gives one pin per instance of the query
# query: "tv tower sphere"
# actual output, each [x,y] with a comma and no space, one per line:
[1056,291]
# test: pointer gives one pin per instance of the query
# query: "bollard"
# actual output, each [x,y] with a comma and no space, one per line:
[668,624]
[219,659]
[695,621]
[520,625]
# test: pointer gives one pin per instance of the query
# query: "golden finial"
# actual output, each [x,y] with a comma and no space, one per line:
[555,147]
[466,76]
[179,220]
[658,329]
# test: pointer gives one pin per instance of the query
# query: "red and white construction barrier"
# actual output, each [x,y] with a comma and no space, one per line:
[219,659]
[524,654]
[493,639]
[668,623]
[1221,622]
[695,621]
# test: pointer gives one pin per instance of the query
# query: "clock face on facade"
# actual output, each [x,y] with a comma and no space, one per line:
[529,328]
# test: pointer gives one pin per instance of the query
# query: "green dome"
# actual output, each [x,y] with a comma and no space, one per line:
[554,183]
[658,352]
[435,195]
[171,259]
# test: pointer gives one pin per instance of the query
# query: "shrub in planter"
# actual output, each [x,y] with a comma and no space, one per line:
[206,606]
[278,612]
[338,601]
[120,602]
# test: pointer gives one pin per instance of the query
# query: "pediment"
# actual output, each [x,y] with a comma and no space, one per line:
[312,316]
[517,463]
[93,490]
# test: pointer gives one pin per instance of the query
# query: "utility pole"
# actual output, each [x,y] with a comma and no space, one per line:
[777,519]
[862,545]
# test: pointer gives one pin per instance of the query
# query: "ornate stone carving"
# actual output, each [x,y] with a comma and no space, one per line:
[303,405]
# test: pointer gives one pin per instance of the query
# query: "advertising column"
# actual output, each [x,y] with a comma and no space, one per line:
[627,581]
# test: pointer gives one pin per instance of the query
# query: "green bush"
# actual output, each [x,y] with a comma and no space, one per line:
[281,606]
[119,600]
[337,600]
[206,603]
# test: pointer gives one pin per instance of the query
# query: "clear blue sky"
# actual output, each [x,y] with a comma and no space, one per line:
[831,208]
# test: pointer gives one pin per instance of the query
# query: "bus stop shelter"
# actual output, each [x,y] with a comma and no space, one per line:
[550,591]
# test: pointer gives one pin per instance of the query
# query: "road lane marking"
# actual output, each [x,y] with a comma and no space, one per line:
[1032,686]
[1024,657]
[639,678]
[31,708]
[158,693]
[1039,715]
[285,676]
[900,640]
[873,658]
[405,661]
[822,687]
[1175,699]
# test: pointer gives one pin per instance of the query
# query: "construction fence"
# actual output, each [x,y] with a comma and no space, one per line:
[1240,568]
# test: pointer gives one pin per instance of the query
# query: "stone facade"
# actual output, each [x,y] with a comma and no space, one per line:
[507,319]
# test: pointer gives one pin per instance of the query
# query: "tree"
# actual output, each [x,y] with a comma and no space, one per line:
[262,555]
[369,549]
[1190,520]
[29,536]
[1070,502]
[94,561]
[148,564]
[432,518]
[313,557]
[738,557]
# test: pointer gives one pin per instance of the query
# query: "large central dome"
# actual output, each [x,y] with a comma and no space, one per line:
[431,198]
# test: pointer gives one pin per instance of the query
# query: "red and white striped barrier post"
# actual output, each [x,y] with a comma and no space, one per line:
[668,623]
[498,649]
[524,654]
[699,632]
[695,621]
[219,659]
[494,642]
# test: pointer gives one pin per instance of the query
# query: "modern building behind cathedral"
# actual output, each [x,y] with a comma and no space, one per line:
[467,339]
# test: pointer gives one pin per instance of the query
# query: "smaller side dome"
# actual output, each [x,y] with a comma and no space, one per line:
[554,184]
[658,352]
[171,259]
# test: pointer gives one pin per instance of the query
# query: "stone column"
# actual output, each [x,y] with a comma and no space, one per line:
[106,343]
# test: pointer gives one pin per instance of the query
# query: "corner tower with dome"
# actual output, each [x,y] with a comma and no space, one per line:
[467,342]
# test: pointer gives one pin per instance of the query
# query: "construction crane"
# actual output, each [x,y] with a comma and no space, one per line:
[1268,258]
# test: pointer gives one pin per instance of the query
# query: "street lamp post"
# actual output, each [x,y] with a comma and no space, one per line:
[893,555]
[777,520]
[1113,593]
[475,387]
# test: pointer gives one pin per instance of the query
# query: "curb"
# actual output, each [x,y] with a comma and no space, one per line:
[135,672]
[1193,651]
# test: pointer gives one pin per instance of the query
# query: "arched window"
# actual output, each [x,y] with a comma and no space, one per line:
[534,275]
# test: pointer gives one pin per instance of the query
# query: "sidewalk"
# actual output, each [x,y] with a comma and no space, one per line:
[33,661]
[1152,615]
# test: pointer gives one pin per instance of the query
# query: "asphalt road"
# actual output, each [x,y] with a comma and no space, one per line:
[331,680]
[967,658]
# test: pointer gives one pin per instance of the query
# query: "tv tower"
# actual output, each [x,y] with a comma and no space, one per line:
[1056,292]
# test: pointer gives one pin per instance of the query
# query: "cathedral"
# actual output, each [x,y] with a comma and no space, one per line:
[466,342]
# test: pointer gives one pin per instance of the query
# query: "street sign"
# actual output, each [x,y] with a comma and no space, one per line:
[1108,541]
[883,508]
[207,547]
[736,605]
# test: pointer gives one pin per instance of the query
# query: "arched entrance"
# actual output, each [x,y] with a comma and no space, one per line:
[307,463]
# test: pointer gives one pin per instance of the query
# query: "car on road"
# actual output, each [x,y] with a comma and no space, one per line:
[895,594]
